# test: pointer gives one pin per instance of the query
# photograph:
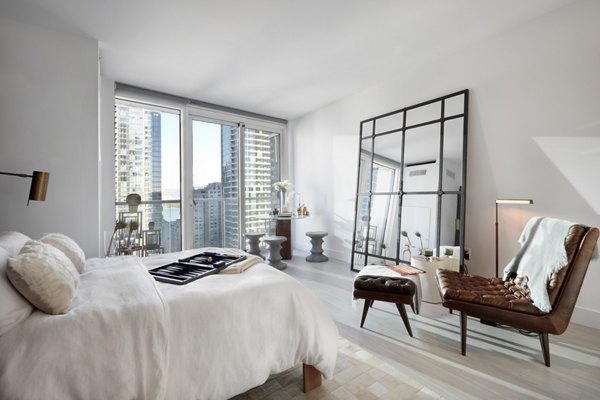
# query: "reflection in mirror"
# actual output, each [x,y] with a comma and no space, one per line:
[362,224]
[449,234]
[419,218]
[387,164]
[404,163]
[383,226]
[422,150]
[454,105]
[426,113]
[364,166]
[363,237]
[422,144]
[453,149]
[390,122]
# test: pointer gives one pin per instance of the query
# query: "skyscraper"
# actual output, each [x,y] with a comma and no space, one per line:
[262,166]
[208,216]
[138,166]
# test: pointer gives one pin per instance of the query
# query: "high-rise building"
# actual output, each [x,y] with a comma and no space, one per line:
[261,152]
[208,216]
[220,208]
[138,167]
[261,170]
[230,178]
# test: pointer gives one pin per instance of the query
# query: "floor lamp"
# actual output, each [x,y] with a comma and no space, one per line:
[506,201]
[39,184]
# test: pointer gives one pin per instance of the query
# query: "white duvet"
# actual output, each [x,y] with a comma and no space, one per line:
[128,337]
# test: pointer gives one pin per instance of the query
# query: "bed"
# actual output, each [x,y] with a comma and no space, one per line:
[127,336]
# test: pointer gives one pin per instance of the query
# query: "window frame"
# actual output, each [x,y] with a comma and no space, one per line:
[188,110]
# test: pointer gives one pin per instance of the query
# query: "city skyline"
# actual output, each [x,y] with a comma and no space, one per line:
[143,167]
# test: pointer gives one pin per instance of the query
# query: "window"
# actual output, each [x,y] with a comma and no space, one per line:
[228,164]
[147,163]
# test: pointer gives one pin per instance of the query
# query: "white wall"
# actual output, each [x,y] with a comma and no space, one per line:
[49,122]
[534,84]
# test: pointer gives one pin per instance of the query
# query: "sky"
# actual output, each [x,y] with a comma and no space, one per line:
[206,158]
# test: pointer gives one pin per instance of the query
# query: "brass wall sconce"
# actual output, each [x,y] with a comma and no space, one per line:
[39,184]
[506,201]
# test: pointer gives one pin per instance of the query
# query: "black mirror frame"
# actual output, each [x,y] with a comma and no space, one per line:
[371,125]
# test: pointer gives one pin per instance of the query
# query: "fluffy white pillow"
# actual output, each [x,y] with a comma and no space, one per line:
[13,241]
[45,276]
[67,246]
[13,307]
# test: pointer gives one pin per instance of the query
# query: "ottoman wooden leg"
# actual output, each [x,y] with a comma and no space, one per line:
[404,316]
[368,304]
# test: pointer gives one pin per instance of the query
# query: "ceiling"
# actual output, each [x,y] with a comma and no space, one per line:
[282,58]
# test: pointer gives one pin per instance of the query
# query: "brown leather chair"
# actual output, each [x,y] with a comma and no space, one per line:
[508,303]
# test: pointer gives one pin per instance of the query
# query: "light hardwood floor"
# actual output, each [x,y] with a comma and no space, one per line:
[500,362]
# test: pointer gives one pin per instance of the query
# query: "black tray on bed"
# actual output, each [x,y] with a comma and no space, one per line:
[188,269]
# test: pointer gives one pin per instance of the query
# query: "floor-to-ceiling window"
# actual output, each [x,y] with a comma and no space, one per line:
[228,165]
[147,164]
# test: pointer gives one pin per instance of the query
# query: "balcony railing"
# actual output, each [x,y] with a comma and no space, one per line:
[162,216]
[215,222]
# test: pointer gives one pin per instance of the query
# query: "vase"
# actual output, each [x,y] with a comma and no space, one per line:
[282,201]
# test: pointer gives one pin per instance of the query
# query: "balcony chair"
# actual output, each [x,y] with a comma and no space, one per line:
[508,300]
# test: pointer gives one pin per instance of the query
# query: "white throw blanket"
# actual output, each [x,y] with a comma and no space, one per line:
[542,253]
[112,344]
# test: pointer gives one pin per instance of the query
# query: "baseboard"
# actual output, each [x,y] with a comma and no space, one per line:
[587,317]
[341,256]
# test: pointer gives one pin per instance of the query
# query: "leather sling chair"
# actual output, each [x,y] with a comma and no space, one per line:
[508,302]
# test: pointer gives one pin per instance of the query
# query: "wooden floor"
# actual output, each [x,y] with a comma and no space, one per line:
[500,362]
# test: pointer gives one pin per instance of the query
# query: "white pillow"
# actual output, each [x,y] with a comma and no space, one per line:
[45,276]
[13,241]
[13,307]
[67,246]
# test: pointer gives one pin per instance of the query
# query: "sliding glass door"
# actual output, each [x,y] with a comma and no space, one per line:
[226,157]
[262,168]
[215,160]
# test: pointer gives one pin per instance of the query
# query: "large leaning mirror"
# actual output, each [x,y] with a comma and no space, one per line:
[411,185]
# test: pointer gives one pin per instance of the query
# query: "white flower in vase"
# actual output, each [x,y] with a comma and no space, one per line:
[282,187]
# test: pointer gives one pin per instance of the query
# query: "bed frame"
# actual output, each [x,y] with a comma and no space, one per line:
[311,378]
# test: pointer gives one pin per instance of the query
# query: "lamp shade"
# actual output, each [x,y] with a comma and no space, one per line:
[39,186]
[514,201]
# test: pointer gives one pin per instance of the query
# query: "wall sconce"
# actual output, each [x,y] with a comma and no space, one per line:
[506,201]
[39,184]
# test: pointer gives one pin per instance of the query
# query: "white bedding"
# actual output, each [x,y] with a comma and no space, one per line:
[112,344]
[130,337]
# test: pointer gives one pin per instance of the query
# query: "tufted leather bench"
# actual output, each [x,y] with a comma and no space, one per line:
[399,291]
